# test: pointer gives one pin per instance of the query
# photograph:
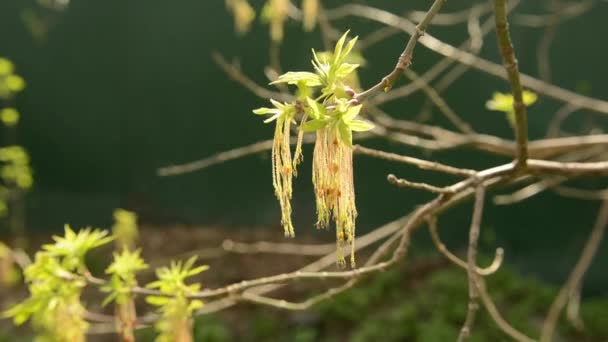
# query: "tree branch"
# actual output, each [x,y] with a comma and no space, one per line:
[510,61]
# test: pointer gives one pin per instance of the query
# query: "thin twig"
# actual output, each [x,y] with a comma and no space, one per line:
[465,332]
[438,68]
[420,163]
[235,74]
[443,106]
[405,59]
[277,248]
[488,67]
[495,314]
[441,247]
[403,183]
[571,11]
[529,191]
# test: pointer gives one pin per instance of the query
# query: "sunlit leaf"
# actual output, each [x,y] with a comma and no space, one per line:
[346,135]
[313,125]
[307,78]
[360,125]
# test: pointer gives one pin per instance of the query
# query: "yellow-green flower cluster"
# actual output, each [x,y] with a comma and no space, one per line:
[332,116]
[15,167]
[54,305]
[120,287]
[175,306]
[10,83]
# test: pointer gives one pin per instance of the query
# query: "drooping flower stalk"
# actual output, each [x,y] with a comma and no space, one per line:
[310,11]
[334,187]
[327,99]
[282,172]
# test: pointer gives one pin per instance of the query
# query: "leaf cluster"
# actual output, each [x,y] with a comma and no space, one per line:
[174,305]
[333,106]
[122,273]
[54,302]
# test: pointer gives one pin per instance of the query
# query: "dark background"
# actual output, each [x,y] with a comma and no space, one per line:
[117,89]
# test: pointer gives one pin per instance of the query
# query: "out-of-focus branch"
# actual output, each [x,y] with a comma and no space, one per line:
[222,157]
[443,106]
[446,62]
[277,248]
[420,163]
[578,273]
[441,247]
[234,72]
[476,62]
[405,59]
[495,314]
[570,11]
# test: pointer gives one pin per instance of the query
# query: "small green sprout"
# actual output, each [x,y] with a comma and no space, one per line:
[72,248]
[502,102]
[330,71]
[125,228]
[121,284]
[122,272]
[55,287]
[175,306]
[10,83]
[326,107]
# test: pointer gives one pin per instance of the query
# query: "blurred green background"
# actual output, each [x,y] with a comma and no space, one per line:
[117,89]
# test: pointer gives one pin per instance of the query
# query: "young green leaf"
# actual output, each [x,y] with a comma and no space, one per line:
[317,110]
[307,78]
[351,113]
[346,69]
[360,125]
[313,125]
[346,135]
